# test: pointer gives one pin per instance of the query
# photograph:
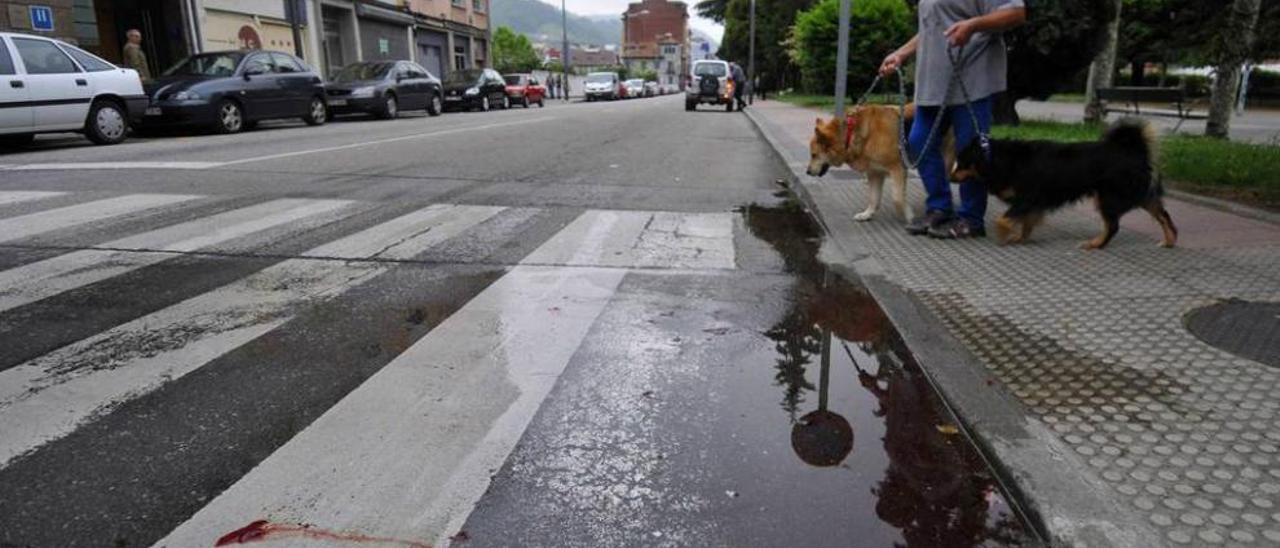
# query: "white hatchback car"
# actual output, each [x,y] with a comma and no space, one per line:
[50,86]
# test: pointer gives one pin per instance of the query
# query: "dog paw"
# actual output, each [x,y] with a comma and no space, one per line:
[1166,245]
[1090,245]
[864,216]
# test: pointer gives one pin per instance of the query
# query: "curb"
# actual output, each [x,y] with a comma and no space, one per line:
[1224,205]
[1031,464]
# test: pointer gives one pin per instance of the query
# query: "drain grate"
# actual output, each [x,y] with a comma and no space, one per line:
[1247,329]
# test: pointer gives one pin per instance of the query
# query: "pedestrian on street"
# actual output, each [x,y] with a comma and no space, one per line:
[973,28]
[133,56]
[739,84]
[551,86]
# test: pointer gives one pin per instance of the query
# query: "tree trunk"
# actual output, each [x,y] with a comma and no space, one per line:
[1235,40]
[1102,69]
[1004,111]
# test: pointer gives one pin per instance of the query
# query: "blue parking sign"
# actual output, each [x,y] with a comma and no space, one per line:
[41,18]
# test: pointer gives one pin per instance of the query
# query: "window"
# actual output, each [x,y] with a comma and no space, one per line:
[287,64]
[259,63]
[6,62]
[42,57]
[87,60]
[477,6]
[421,72]
[208,64]
[460,3]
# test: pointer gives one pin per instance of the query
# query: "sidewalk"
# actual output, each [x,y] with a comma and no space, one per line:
[1259,126]
[1110,421]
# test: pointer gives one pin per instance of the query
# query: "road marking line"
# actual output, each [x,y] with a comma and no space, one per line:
[16,228]
[109,165]
[640,239]
[40,280]
[50,396]
[13,197]
[410,451]
[382,141]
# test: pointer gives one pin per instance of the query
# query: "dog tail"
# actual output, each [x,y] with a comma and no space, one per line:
[1136,136]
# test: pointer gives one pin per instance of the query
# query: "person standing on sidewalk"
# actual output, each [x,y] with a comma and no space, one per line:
[133,56]
[972,27]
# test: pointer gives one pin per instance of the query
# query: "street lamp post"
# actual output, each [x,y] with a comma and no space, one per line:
[564,53]
[751,58]
[842,58]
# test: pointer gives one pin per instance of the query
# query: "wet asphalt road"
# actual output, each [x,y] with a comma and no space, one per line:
[585,325]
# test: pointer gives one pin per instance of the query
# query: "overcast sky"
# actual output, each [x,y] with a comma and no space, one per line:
[616,7]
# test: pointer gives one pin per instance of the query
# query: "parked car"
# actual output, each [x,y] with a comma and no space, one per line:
[384,88]
[711,84]
[634,87]
[651,89]
[232,91]
[473,89]
[603,85]
[54,87]
[525,89]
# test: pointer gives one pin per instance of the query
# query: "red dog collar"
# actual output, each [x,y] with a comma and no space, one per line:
[849,122]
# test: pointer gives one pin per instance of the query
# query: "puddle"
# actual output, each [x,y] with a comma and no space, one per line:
[856,445]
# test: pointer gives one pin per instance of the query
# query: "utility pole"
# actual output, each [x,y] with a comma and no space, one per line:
[295,16]
[842,59]
[751,58]
[564,54]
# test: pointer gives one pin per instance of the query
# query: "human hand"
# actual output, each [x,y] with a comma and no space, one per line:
[891,63]
[959,34]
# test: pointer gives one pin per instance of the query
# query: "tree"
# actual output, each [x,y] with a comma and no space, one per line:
[712,9]
[1233,46]
[648,75]
[1059,39]
[876,27]
[1103,67]
[513,52]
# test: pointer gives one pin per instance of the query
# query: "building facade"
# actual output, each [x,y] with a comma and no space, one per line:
[655,36]
[442,35]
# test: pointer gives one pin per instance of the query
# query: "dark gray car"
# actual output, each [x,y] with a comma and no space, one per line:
[384,88]
[234,90]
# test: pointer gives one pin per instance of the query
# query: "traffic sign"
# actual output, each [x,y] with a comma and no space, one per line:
[41,18]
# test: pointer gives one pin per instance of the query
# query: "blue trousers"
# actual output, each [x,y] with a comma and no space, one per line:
[973,196]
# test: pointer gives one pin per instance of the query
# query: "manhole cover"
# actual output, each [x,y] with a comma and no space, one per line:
[1247,329]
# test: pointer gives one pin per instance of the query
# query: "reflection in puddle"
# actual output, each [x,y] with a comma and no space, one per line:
[934,489]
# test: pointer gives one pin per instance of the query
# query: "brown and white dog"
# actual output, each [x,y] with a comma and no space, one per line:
[866,140]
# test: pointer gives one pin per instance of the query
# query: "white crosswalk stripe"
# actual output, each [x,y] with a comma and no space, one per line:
[409,453]
[16,228]
[13,197]
[32,282]
[46,398]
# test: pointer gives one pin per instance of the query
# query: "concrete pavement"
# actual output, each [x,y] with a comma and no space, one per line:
[1076,371]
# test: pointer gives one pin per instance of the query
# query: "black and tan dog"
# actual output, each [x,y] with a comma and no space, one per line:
[1119,172]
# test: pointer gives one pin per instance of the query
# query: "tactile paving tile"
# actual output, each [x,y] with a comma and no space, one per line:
[1094,345]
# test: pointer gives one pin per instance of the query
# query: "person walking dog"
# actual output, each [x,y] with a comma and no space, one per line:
[974,29]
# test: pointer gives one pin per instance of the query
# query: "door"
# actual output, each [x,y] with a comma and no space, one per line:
[333,57]
[60,92]
[421,84]
[259,90]
[432,59]
[534,90]
[15,114]
[296,83]
[495,86]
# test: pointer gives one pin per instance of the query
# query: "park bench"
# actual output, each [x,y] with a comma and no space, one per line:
[1133,96]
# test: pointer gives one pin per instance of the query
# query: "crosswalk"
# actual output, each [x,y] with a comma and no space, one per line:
[407,452]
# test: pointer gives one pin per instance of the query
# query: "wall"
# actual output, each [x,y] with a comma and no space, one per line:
[15,17]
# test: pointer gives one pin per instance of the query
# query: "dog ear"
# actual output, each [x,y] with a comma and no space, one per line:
[819,122]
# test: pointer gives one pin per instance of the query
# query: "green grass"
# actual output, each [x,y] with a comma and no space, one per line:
[1067,98]
[828,102]
[1246,173]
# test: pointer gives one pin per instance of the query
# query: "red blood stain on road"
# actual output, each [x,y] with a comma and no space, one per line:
[263,530]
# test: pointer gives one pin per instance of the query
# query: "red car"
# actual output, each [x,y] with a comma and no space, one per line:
[525,89]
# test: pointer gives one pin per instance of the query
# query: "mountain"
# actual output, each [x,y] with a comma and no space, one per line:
[541,23]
